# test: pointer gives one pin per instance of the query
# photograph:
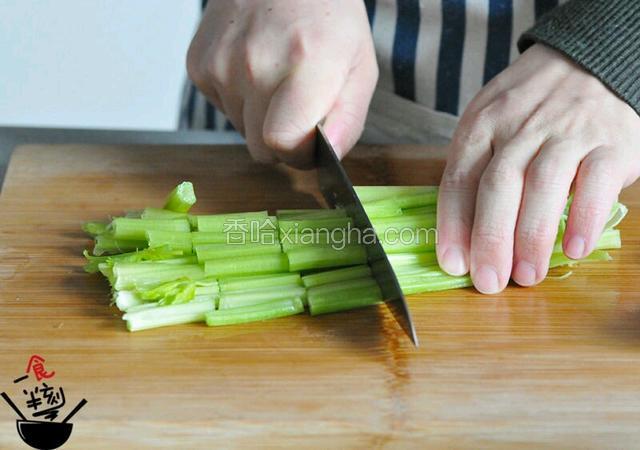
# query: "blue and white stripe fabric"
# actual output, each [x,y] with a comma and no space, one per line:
[434,56]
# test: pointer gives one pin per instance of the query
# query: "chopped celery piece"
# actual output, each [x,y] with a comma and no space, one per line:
[107,243]
[344,285]
[618,212]
[398,260]
[231,284]
[332,276]
[172,292]
[559,259]
[358,297]
[95,228]
[233,222]
[247,265]
[369,194]
[136,229]
[188,259]
[176,240]
[182,198]
[414,284]
[263,311]
[421,210]
[410,246]
[337,238]
[388,208]
[206,252]
[320,257]
[413,224]
[157,213]
[297,214]
[208,237]
[162,316]
[149,254]
[238,299]
[126,299]
[148,274]
[294,226]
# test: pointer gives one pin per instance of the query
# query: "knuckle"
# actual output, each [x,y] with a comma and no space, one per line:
[490,238]
[459,179]
[597,170]
[532,238]
[545,174]
[281,138]
[500,175]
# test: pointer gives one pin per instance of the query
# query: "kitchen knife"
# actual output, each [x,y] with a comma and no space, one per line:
[338,192]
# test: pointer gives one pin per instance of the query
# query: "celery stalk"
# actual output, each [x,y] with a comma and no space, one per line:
[398,260]
[368,194]
[149,274]
[231,284]
[207,237]
[107,244]
[171,310]
[333,276]
[238,299]
[319,257]
[343,300]
[412,223]
[263,311]
[136,229]
[306,225]
[296,214]
[233,222]
[124,300]
[95,228]
[182,198]
[343,285]
[176,240]
[380,209]
[247,265]
[206,252]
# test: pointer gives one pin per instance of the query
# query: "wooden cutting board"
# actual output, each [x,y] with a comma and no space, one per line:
[556,366]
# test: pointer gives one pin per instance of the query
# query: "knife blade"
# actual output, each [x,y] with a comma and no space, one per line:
[337,190]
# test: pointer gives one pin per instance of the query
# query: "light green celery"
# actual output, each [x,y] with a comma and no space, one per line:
[307,225]
[176,240]
[343,300]
[206,252]
[141,307]
[157,213]
[172,292]
[239,299]
[182,198]
[95,228]
[421,210]
[413,246]
[107,271]
[413,223]
[232,222]
[149,274]
[416,283]
[320,257]
[609,239]
[336,238]
[618,212]
[333,276]
[377,209]
[149,254]
[405,202]
[106,243]
[247,265]
[126,299]
[263,311]
[188,259]
[168,315]
[136,229]
[369,194]
[421,259]
[296,214]
[208,237]
[232,284]
[560,259]
[343,285]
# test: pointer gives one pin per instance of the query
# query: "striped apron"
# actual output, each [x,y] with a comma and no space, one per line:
[434,56]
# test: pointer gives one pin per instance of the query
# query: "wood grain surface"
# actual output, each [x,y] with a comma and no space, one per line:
[555,366]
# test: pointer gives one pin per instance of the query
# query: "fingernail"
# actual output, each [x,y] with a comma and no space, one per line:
[525,274]
[485,280]
[575,247]
[454,262]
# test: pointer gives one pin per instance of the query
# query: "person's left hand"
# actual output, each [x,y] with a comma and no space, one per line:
[520,144]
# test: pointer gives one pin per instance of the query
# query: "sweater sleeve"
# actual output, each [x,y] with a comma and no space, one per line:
[603,36]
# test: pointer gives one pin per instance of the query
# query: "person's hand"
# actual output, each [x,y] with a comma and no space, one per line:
[520,144]
[277,68]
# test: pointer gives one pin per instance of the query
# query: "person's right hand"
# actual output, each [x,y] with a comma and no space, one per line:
[277,68]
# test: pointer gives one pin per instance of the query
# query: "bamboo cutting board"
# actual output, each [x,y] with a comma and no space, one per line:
[556,366]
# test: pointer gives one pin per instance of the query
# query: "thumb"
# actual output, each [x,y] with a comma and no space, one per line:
[345,121]
[301,101]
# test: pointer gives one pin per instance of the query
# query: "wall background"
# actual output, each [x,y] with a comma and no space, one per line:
[94,63]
